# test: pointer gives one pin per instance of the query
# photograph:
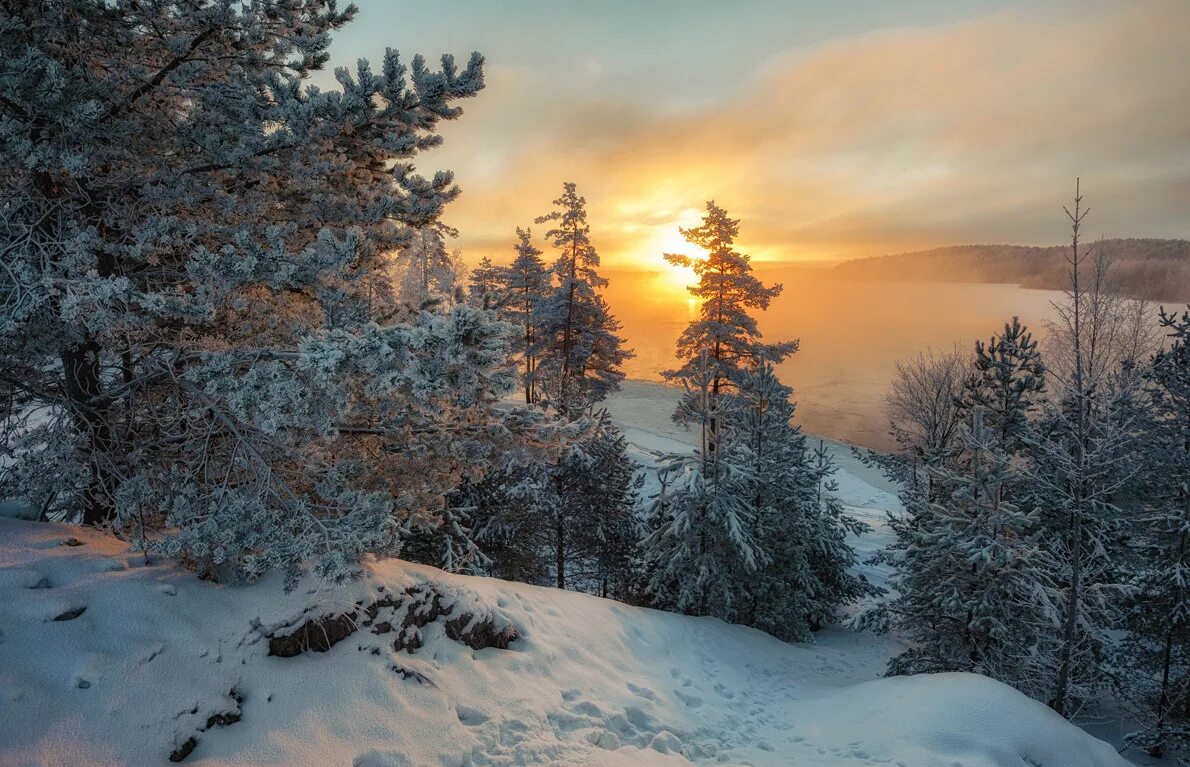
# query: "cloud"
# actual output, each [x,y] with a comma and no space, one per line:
[971,132]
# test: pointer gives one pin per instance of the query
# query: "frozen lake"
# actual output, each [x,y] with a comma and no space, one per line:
[852,334]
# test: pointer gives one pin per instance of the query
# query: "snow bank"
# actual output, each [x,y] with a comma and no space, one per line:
[107,660]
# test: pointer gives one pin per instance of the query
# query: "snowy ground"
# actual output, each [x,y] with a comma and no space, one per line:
[107,660]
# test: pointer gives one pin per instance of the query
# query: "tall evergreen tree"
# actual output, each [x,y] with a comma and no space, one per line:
[1083,460]
[579,349]
[967,555]
[526,284]
[725,330]
[1153,660]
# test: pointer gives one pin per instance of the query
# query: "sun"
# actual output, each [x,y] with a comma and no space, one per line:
[667,239]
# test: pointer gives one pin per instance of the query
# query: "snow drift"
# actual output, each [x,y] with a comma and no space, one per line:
[105,659]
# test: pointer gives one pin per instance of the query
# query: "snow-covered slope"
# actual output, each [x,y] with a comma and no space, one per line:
[105,659]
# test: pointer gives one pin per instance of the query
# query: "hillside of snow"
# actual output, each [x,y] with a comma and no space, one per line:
[108,659]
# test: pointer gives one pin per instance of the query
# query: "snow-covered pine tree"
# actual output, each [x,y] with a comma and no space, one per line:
[579,350]
[595,486]
[183,223]
[833,559]
[966,553]
[701,549]
[799,529]
[571,523]
[1152,663]
[727,291]
[970,572]
[526,282]
[508,506]
[485,285]
[1007,382]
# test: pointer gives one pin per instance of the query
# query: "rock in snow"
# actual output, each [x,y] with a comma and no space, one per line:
[159,665]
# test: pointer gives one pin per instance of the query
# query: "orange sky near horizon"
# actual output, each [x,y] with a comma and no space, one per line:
[830,134]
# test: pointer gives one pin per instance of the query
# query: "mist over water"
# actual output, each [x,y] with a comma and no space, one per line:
[851,333]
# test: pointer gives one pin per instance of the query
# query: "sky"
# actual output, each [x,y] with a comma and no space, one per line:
[831,129]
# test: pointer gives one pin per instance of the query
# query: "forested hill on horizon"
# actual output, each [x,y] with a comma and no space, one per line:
[1153,269]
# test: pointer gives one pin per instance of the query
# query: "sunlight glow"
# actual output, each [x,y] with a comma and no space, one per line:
[667,239]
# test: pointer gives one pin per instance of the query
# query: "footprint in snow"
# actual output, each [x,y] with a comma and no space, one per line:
[381,759]
[69,614]
[30,579]
[666,742]
[471,717]
[587,708]
[643,692]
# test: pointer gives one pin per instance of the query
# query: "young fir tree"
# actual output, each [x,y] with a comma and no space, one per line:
[833,560]
[509,505]
[1007,382]
[191,232]
[579,350]
[967,555]
[526,282]
[1153,660]
[570,523]
[595,487]
[725,330]
[799,527]
[969,570]
[701,550]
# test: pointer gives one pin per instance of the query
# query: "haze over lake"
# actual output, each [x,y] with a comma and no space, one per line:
[852,334]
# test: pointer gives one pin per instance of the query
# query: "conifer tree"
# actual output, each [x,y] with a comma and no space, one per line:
[967,554]
[526,282]
[579,351]
[1153,660]
[799,526]
[1006,384]
[510,504]
[969,569]
[593,523]
[191,235]
[1083,461]
[728,292]
[701,548]
[485,285]
[833,560]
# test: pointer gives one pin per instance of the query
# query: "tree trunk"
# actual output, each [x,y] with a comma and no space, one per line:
[91,410]
[1070,623]
[560,550]
[567,330]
